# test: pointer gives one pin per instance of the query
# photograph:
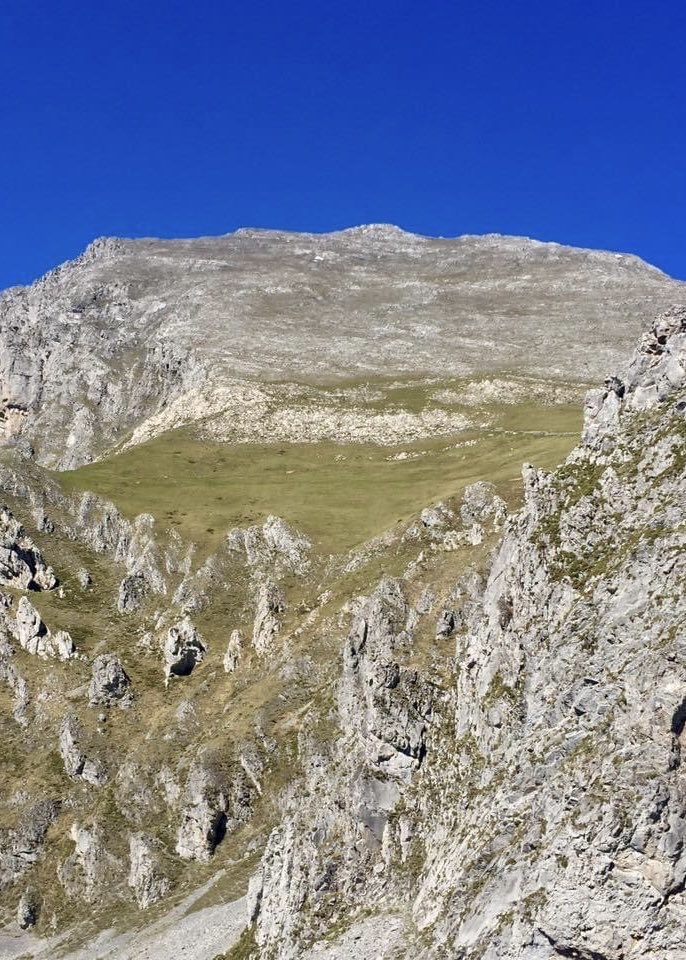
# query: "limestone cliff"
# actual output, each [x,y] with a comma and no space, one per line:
[536,807]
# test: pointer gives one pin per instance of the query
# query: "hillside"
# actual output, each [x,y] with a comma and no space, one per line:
[305,670]
[245,333]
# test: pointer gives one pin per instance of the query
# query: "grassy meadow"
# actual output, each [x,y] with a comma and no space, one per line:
[339,495]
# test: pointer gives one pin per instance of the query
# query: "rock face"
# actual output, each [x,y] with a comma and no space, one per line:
[270,603]
[20,847]
[35,637]
[10,675]
[76,764]
[273,546]
[131,593]
[546,815]
[203,821]
[183,649]
[21,564]
[27,911]
[146,334]
[234,650]
[386,703]
[89,867]
[110,684]
[145,878]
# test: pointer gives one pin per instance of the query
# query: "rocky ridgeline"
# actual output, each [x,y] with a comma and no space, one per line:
[138,336]
[536,808]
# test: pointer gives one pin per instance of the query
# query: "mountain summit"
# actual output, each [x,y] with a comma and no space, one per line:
[146,334]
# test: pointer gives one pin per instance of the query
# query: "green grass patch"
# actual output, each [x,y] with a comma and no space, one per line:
[340,495]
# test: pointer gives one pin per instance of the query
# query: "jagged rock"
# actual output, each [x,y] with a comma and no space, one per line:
[84,578]
[378,698]
[76,764]
[233,651]
[61,645]
[183,649]
[287,543]
[203,822]
[17,684]
[132,543]
[274,546]
[145,878]
[426,602]
[36,639]
[131,593]
[110,684]
[269,604]
[434,518]
[20,847]
[90,867]
[445,626]
[29,627]
[480,503]
[27,911]
[41,519]
[21,563]
[194,591]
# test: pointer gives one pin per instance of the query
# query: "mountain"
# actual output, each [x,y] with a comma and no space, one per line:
[138,336]
[303,663]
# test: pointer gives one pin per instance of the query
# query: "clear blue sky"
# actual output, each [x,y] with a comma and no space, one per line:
[562,120]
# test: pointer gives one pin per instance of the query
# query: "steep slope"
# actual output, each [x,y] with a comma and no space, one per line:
[534,805]
[141,335]
[367,727]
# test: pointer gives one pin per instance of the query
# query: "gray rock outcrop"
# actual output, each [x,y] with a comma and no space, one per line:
[544,816]
[234,651]
[183,649]
[145,877]
[77,765]
[90,867]
[270,603]
[21,563]
[110,684]
[131,593]
[27,910]
[272,547]
[203,819]
[21,846]
[36,639]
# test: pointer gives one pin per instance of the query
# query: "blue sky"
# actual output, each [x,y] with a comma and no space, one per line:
[564,121]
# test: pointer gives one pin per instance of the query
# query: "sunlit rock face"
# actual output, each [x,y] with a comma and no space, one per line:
[141,335]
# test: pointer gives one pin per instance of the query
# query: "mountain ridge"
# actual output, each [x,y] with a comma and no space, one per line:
[107,347]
